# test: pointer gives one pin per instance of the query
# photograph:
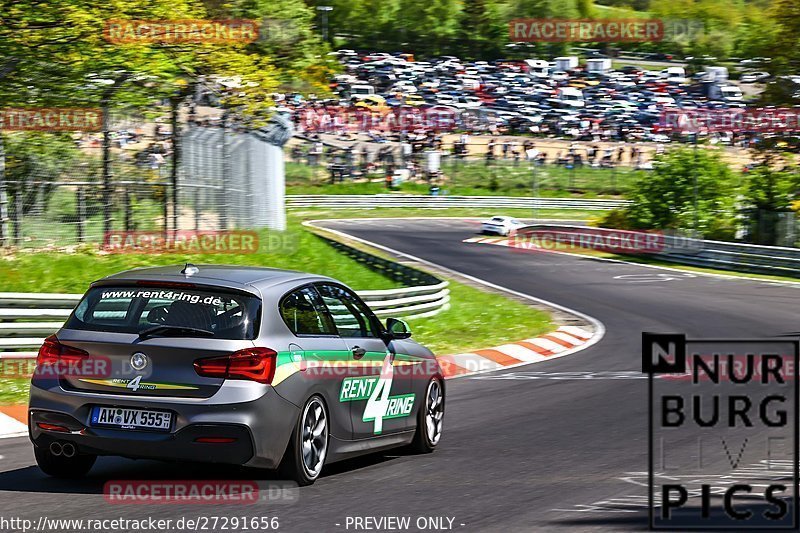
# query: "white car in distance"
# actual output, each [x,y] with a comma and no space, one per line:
[500,225]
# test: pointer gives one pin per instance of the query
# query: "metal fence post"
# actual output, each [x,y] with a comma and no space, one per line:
[226,171]
[106,167]
[196,208]
[4,229]
[80,211]
[17,214]
[192,166]
[165,206]
[176,157]
[126,200]
[249,177]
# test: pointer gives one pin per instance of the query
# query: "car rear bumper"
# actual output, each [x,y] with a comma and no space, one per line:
[497,230]
[261,427]
[181,445]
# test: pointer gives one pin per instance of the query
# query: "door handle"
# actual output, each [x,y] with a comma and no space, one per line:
[358,352]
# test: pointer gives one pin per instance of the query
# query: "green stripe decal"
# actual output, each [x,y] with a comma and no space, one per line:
[354,389]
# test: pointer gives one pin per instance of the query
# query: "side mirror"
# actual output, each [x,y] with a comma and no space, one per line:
[397,329]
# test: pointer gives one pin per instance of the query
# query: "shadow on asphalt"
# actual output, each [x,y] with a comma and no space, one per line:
[686,519]
[31,479]
[627,522]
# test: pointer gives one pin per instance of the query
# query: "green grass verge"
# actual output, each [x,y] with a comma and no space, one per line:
[57,221]
[295,249]
[474,178]
[470,323]
[457,212]
[14,391]
[476,319]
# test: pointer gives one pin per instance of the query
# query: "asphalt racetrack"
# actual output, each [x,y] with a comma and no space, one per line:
[561,446]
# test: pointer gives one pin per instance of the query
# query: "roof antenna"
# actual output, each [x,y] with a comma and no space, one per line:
[190,270]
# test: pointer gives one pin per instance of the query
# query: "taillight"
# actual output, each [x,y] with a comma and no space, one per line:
[255,364]
[52,427]
[53,352]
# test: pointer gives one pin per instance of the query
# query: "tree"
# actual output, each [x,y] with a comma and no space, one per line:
[784,51]
[665,198]
[481,29]
[288,40]
[770,192]
[585,9]
[54,50]
[545,9]
[58,54]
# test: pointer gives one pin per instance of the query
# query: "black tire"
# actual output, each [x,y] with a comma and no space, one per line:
[294,466]
[423,441]
[63,467]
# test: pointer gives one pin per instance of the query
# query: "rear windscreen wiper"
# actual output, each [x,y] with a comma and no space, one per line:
[174,331]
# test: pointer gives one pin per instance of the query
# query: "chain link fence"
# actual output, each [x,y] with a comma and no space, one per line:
[55,184]
[229,179]
[508,169]
[60,193]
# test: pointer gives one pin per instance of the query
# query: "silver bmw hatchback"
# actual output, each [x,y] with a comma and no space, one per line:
[249,366]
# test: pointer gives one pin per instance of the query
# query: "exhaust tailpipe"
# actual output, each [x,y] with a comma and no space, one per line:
[68,450]
[56,448]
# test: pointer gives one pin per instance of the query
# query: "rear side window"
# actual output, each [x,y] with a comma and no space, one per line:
[304,313]
[228,315]
[351,317]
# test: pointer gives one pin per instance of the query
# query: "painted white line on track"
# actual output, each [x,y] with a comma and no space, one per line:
[11,427]
[599,327]
[520,352]
[473,362]
[566,337]
[547,344]
[677,269]
[575,331]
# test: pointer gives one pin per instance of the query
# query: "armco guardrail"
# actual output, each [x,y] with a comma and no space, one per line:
[27,318]
[24,325]
[372,201]
[739,257]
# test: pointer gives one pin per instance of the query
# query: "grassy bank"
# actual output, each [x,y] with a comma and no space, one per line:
[13,391]
[453,212]
[476,319]
[475,178]
[295,249]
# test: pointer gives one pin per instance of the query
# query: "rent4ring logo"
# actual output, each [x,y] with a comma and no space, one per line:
[716,407]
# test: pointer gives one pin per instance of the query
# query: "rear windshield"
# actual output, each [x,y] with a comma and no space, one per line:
[227,315]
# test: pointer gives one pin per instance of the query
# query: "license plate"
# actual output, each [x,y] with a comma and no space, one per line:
[131,418]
